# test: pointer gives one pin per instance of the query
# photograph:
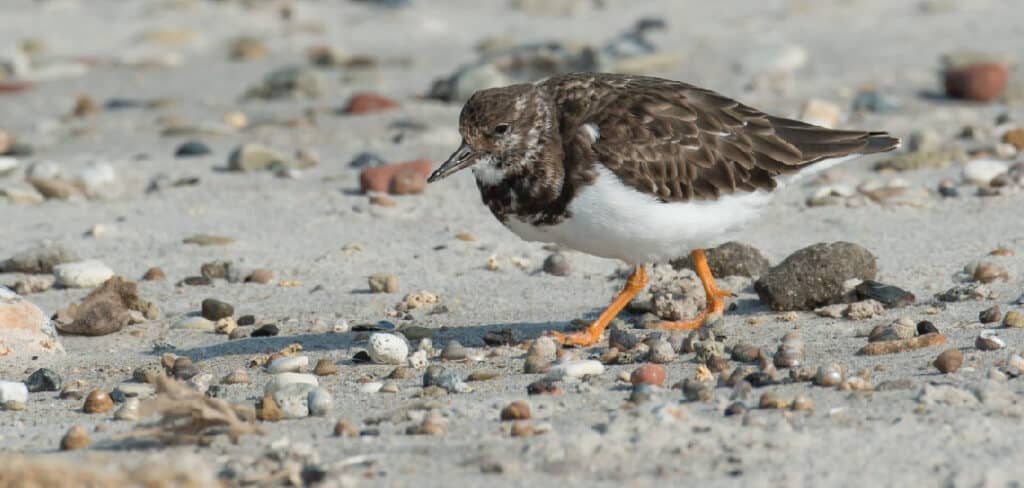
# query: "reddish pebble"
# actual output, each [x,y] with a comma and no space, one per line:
[980,82]
[408,182]
[366,102]
[648,374]
[261,276]
[517,410]
[14,86]
[154,274]
[380,178]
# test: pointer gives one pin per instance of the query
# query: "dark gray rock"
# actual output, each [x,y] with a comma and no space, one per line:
[556,264]
[43,380]
[730,259]
[191,149]
[215,310]
[814,276]
[888,295]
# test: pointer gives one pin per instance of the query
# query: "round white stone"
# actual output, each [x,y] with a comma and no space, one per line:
[387,349]
[371,387]
[576,369]
[13,391]
[283,379]
[293,400]
[320,402]
[982,171]
[83,274]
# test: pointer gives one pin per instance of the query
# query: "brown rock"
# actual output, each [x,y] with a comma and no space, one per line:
[949,361]
[344,428]
[1014,137]
[84,106]
[980,82]
[248,49]
[367,102]
[98,401]
[648,374]
[75,438]
[154,274]
[517,410]
[988,272]
[24,329]
[1013,320]
[55,188]
[325,367]
[267,410]
[380,178]
[522,429]
[261,276]
[407,182]
[106,310]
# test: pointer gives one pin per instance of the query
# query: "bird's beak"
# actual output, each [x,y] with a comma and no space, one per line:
[462,158]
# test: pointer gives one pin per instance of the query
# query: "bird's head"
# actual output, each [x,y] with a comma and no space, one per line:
[502,129]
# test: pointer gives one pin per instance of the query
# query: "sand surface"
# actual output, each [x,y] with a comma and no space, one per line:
[302,229]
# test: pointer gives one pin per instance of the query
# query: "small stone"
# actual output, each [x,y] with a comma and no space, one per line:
[432,425]
[183,368]
[389,387]
[988,341]
[380,178]
[74,390]
[731,259]
[535,364]
[288,364]
[982,172]
[226,326]
[236,377]
[191,149]
[214,309]
[802,403]
[949,361]
[735,408]
[39,260]
[990,315]
[543,387]
[248,48]
[129,410]
[408,182]
[247,320]
[649,374]
[770,400]
[293,399]
[154,274]
[970,291]
[698,390]
[267,410]
[987,272]
[325,367]
[865,309]
[260,276]
[98,401]
[576,369]
[661,352]
[980,82]
[75,438]
[454,351]
[289,82]
[13,392]
[208,240]
[257,157]
[1013,319]
[387,348]
[746,353]
[418,359]
[43,380]
[383,283]
[888,295]
[830,375]
[366,102]
[556,264]
[195,323]
[344,428]
[517,410]
[267,330]
[320,402]
[83,274]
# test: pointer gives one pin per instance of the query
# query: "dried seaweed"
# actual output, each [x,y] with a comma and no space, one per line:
[903,345]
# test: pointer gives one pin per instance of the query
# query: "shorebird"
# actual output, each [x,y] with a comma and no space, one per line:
[635,168]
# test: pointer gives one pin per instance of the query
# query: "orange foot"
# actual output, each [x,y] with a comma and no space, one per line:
[592,333]
[715,296]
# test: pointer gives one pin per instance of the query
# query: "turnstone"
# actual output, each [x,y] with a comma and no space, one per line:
[635,168]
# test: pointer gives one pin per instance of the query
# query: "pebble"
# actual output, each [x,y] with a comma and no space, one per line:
[154,274]
[82,274]
[989,341]
[191,149]
[380,179]
[260,276]
[970,291]
[293,400]
[418,359]
[830,375]
[990,315]
[1015,138]
[195,323]
[288,82]
[75,438]
[790,353]
[770,400]
[257,157]
[267,410]
[226,326]
[981,172]
[890,296]
[661,352]
[320,402]
[980,82]
[266,330]
[98,401]
[248,48]
[325,367]
[576,369]
[371,387]
[366,102]
[432,425]
[535,364]
[389,387]
[386,348]
[543,347]
[543,387]
[39,260]
[132,390]
[247,320]
[1013,320]
[731,259]
[129,410]
[815,276]
[987,272]
[696,390]
[409,182]
[282,380]
[74,390]
[236,377]
[517,410]
[556,264]
[288,364]
[183,368]
[648,374]
[383,283]
[949,361]
[454,351]
[802,403]
[864,309]
[12,392]
[43,379]
[735,408]
[344,428]
[213,309]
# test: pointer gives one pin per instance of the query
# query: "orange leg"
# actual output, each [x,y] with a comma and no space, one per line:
[592,333]
[716,303]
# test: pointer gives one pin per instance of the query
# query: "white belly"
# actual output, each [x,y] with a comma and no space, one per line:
[612,220]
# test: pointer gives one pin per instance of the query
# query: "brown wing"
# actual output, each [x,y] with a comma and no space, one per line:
[681,142]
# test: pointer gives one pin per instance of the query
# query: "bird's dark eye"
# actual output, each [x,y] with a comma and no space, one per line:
[501,129]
